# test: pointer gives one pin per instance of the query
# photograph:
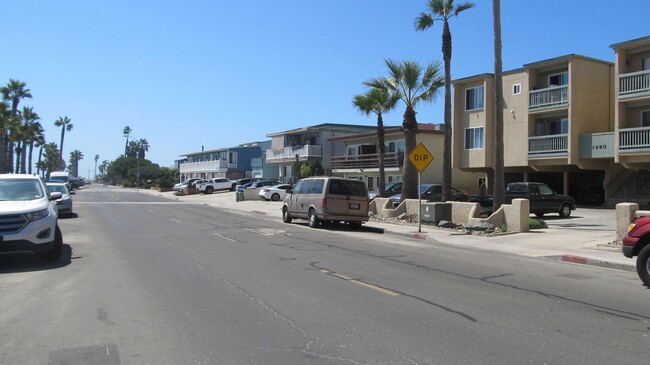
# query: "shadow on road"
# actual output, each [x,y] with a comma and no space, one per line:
[16,262]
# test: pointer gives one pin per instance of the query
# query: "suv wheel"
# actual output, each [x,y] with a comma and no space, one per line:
[314,222]
[209,190]
[57,247]
[565,210]
[286,218]
[643,265]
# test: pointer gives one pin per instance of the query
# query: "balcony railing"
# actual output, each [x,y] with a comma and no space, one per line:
[205,166]
[552,97]
[289,153]
[634,84]
[553,145]
[634,139]
[367,161]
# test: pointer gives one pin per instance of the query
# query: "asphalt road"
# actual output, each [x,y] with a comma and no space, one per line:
[146,280]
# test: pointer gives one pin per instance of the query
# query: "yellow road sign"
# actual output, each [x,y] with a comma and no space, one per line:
[420,157]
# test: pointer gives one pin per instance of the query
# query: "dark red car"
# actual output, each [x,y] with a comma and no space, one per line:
[637,243]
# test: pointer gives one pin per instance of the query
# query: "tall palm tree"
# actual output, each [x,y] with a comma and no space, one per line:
[378,101]
[51,159]
[66,124]
[143,146]
[132,149]
[498,189]
[14,92]
[37,141]
[29,130]
[126,131]
[96,159]
[413,84]
[75,156]
[442,10]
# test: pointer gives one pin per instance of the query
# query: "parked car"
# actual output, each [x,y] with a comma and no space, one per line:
[217,183]
[61,181]
[63,204]
[485,200]
[275,192]
[260,184]
[327,200]
[542,198]
[185,184]
[637,243]
[390,189]
[433,193]
[239,184]
[28,216]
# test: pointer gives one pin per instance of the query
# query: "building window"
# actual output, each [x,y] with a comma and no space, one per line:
[474,98]
[474,138]
[558,126]
[645,118]
[353,150]
[559,79]
[232,158]
[646,64]
[516,89]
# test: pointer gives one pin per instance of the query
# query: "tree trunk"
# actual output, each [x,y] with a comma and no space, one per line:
[410,173]
[499,177]
[446,162]
[31,151]
[381,148]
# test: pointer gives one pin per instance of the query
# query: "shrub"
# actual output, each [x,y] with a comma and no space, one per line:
[534,223]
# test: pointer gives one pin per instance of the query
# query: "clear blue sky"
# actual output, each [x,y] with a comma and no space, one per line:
[216,73]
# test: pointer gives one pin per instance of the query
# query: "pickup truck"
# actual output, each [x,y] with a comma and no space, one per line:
[215,184]
[637,243]
[542,198]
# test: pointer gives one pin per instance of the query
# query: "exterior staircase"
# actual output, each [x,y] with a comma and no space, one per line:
[635,190]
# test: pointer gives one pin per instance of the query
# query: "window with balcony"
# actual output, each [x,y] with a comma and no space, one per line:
[558,79]
[552,126]
[646,64]
[474,98]
[645,118]
[474,138]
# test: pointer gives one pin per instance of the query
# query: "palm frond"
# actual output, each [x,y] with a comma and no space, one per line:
[423,22]
[462,7]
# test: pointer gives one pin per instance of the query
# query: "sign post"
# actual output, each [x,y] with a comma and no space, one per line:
[420,158]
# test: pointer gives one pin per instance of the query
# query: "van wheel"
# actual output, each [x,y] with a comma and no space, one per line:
[643,265]
[286,218]
[57,247]
[565,210]
[314,222]
[209,190]
[275,197]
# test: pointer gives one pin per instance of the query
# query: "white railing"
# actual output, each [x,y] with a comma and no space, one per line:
[204,166]
[553,97]
[371,160]
[634,139]
[289,153]
[548,145]
[634,83]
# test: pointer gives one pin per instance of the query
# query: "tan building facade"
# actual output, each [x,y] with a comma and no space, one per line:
[580,124]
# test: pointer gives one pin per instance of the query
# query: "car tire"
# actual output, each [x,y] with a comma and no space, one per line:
[233,187]
[57,247]
[275,197]
[286,218]
[643,265]
[209,190]
[565,210]
[312,218]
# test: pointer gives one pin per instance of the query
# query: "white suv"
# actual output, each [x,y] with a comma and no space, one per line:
[28,216]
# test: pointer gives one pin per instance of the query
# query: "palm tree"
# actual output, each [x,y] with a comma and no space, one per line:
[75,156]
[126,131]
[37,141]
[66,124]
[143,146]
[29,130]
[378,101]
[498,189]
[51,159]
[96,159]
[413,84]
[14,92]
[132,149]
[442,10]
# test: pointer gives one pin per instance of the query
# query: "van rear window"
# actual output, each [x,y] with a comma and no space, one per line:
[346,187]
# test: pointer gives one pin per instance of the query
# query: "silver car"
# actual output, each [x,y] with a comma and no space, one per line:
[63,204]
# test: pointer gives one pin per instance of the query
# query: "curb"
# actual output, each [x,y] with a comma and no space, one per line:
[593,262]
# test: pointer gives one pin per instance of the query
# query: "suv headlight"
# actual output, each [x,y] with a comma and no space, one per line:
[34,216]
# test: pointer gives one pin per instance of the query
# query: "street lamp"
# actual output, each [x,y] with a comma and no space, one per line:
[295,174]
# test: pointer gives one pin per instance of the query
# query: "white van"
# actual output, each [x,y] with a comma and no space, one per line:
[61,176]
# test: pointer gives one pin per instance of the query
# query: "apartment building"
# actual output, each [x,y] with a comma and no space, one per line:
[231,163]
[290,149]
[360,159]
[580,124]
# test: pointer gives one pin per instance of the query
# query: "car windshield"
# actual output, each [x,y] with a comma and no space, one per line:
[57,189]
[20,189]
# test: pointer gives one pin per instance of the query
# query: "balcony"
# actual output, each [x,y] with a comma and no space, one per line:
[288,154]
[550,98]
[367,161]
[553,145]
[634,84]
[633,140]
[205,166]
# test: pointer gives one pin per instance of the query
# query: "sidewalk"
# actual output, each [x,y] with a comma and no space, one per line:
[577,240]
